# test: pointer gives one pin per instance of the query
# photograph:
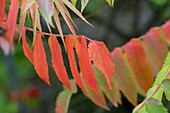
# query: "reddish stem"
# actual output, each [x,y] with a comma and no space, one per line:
[153,92]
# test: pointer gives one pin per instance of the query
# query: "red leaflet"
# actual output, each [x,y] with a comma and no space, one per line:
[84,62]
[155,49]
[2,10]
[123,76]
[40,63]
[73,65]
[27,51]
[101,57]
[12,17]
[57,61]
[166,31]
[139,64]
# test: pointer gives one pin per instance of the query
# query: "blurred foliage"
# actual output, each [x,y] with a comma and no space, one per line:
[115,26]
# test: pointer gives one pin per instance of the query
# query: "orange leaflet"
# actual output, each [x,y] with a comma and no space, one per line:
[139,63]
[57,60]
[101,57]
[73,65]
[166,31]
[123,79]
[27,51]
[156,50]
[40,63]
[2,10]
[84,62]
[12,17]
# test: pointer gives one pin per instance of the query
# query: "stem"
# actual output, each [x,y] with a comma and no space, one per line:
[30,29]
[153,92]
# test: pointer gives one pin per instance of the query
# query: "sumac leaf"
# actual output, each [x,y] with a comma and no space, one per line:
[64,97]
[101,57]
[138,62]
[40,63]
[57,61]
[95,96]
[27,51]
[2,10]
[124,79]
[84,62]
[73,65]
[166,87]
[151,40]
[112,94]
[46,9]
[12,17]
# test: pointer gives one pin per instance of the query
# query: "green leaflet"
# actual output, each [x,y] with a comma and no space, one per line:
[165,85]
[167,61]
[158,95]
[110,2]
[151,105]
[154,106]
[45,7]
[112,94]
[64,97]
[74,2]
[143,110]
[154,94]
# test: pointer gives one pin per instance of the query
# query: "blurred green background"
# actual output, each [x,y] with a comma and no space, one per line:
[114,26]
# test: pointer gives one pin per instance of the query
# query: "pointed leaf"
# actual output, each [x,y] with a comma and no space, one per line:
[139,63]
[142,110]
[2,10]
[40,63]
[109,2]
[164,71]
[112,94]
[166,87]
[12,18]
[124,79]
[73,65]
[167,61]
[150,43]
[75,11]
[84,62]
[96,97]
[101,57]
[45,6]
[57,21]
[74,2]
[83,4]
[64,97]
[22,18]
[65,17]
[27,51]
[57,60]
[154,106]
[166,31]
[34,15]
[28,4]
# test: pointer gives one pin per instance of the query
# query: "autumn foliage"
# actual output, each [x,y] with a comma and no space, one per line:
[130,69]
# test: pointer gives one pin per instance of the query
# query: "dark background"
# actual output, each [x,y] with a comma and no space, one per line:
[114,26]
